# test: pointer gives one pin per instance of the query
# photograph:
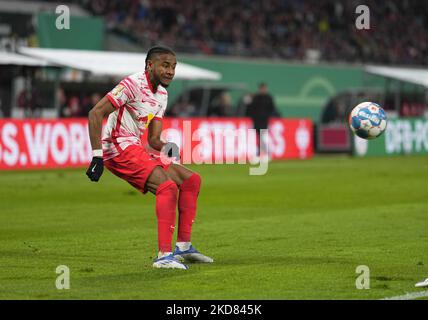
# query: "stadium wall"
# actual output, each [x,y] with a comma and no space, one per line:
[85,33]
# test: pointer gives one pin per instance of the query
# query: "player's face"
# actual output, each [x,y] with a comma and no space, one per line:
[164,69]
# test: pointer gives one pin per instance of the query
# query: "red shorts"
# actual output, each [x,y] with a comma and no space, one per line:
[135,165]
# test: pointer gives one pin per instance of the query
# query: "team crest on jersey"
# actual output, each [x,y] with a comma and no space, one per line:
[117,91]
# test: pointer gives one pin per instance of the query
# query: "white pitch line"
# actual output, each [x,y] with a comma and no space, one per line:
[409,296]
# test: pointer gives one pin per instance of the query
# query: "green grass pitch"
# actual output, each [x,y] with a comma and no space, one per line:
[298,232]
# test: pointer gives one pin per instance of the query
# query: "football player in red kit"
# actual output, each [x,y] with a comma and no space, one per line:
[138,103]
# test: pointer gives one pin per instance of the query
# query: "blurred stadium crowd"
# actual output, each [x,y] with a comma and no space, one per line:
[299,30]
[71,104]
[290,29]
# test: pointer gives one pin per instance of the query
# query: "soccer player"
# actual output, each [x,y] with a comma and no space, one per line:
[138,102]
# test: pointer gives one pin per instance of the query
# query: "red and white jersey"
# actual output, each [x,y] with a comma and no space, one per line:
[136,105]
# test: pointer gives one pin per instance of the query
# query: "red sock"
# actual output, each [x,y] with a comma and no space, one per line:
[166,202]
[189,191]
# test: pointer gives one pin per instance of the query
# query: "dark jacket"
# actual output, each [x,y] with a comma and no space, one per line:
[261,109]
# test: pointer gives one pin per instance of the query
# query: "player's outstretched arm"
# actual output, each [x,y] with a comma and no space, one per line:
[102,109]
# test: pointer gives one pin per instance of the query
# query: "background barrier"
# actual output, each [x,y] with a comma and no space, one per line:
[402,136]
[28,144]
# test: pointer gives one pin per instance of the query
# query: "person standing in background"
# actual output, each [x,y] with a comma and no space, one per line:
[260,110]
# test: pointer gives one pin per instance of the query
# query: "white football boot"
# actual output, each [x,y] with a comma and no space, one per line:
[191,255]
[422,283]
[169,262]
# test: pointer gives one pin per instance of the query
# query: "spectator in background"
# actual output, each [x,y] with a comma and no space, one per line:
[62,101]
[29,101]
[221,107]
[288,29]
[89,103]
[260,110]
[76,106]
[335,111]
[183,109]
[73,108]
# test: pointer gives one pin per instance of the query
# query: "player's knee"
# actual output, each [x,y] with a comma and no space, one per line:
[197,180]
[192,183]
[168,187]
[157,178]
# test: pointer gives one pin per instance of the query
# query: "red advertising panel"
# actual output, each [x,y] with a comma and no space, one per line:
[32,144]
[44,143]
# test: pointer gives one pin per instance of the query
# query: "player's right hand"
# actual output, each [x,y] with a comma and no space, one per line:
[95,169]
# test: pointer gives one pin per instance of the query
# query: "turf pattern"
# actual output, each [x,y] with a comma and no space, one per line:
[298,232]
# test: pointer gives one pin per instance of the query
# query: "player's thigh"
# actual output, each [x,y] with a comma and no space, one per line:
[157,177]
[179,173]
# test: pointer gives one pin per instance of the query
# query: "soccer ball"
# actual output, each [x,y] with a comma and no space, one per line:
[368,120]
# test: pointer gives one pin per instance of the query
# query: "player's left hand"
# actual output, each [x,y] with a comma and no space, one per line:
[171,150]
